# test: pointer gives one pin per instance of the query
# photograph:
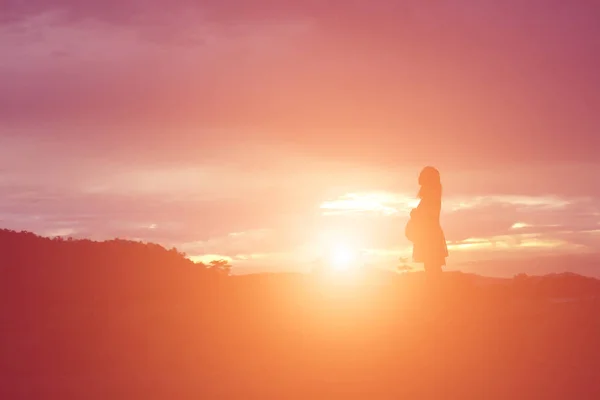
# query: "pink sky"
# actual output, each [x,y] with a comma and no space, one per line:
[265,131]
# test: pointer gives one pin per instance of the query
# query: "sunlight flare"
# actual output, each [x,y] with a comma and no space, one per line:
[343,258]
[383,203]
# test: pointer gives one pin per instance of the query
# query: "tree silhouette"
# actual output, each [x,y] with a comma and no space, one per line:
[404,267]
[222,266]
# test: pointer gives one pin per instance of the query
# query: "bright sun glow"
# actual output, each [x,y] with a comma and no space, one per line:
[342,258]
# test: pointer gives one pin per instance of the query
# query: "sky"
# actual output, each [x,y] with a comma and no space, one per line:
[268,132]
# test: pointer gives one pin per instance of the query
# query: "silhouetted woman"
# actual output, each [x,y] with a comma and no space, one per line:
[423,228]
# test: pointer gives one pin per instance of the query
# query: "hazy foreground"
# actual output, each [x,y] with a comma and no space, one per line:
[123,320]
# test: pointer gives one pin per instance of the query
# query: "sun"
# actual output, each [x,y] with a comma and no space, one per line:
[342,258]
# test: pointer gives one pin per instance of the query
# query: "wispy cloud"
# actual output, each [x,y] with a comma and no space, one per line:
[379,203]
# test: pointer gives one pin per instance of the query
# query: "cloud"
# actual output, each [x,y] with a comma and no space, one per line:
[498,216]
[237,244]
[387,204]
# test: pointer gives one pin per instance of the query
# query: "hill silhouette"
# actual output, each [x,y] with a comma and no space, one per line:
[126,320]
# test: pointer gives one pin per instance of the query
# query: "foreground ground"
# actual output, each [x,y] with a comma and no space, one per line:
[299,337]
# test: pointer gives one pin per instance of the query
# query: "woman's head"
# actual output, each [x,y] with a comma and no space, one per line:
[429,176]
[430,182]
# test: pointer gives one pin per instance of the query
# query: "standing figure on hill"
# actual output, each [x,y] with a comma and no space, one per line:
[423,228]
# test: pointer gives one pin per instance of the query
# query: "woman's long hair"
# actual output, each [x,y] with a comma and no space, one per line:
[431,185]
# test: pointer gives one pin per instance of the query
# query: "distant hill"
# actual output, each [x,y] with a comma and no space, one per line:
[33,265]
[586,264]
